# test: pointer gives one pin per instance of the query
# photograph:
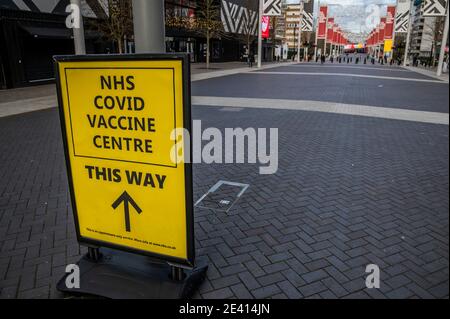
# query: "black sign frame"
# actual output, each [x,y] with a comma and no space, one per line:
[189,262]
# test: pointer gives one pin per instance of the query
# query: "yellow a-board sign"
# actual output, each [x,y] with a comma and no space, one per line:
[118,114]
[388,46]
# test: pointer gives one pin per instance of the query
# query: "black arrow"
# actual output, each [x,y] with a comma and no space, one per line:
[126,199]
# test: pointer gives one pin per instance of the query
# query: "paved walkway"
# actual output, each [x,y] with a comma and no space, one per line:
[334,74]
[363,179]
[326,107]
[429,72]
[22,100]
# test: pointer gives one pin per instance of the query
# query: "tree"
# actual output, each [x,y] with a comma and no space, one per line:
[208,24]
[432,34]
[439,35]
[175,20]
[249,31]
[118,25]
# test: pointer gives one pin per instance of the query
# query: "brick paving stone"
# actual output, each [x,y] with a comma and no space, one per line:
[312,289]
[266,292]
[314,276]
[223,293]
[289,290]
[241,291]
[349,191]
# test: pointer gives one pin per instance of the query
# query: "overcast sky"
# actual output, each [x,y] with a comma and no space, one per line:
[355,15]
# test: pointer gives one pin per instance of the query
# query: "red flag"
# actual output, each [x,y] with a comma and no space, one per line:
[265,27]
[335,34]
[322,29]
[377,35]
[330,26]
[389,31]
[382,31]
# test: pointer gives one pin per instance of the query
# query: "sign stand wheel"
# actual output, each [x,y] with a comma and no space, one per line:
[94,254]
[121,275]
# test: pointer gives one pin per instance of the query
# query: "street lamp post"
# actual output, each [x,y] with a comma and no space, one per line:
[149,26]
[78,31]
[299,44]
[408,36]
[443,45]
[316,40]
[260,9]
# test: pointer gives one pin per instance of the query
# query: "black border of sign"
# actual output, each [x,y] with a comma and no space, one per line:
[187,122]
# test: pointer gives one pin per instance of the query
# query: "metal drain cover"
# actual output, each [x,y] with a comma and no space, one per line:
[222,196]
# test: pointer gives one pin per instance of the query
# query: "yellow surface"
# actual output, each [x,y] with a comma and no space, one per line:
[387,46]
[161,227]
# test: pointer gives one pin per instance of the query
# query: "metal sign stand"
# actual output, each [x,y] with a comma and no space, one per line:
[114,274]
[125,272]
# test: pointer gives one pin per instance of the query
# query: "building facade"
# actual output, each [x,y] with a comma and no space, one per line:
[32,31]
[292,20]
[423,33]
[293,14]
[280,24]
[181,36]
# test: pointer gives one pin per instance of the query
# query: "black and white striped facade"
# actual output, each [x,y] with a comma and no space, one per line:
[308,17]
[402,16]
[32,31]
[239,19]
[435,8]
[89,8]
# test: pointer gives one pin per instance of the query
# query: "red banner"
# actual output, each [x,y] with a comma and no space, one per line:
[376,35]
[335,34]
[265,27]
[382,31]
[322,29]
[372,37]
[330,29]
[389,31]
